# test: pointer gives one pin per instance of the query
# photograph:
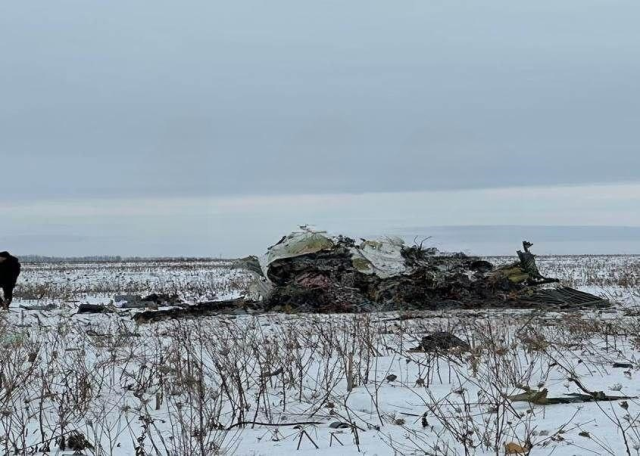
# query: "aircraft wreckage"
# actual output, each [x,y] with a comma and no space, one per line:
[312,271]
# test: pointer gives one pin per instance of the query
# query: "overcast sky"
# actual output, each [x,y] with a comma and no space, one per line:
[153,127]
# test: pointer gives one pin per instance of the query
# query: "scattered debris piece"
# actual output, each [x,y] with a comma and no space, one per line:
[153,300]
[442,342]
[233,306]
[162,299]
[564,298]
[514,448]
[276,372]
[75,441]
[138,305]
[46,307]
[126,299]
[94,308]
[339,425]
[528,264]
[540,397]
[622,366]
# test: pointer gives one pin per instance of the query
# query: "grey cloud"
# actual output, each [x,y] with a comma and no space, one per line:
[209,98]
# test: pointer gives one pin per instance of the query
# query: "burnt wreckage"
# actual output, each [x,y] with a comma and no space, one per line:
[311,271]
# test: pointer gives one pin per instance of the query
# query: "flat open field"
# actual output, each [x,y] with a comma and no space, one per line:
[311,384]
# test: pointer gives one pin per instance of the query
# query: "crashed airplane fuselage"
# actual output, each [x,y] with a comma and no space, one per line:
[313,271]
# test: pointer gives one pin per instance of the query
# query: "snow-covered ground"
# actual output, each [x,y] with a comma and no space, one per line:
[311,384]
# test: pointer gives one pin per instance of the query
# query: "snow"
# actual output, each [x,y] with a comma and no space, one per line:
[157,385]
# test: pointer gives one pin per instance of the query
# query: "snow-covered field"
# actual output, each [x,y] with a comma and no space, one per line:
[310,384]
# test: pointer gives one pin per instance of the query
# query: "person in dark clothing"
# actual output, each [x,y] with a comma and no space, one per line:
[9,272]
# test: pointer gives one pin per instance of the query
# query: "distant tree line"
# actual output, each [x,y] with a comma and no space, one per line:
[108,259]
[51,259]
